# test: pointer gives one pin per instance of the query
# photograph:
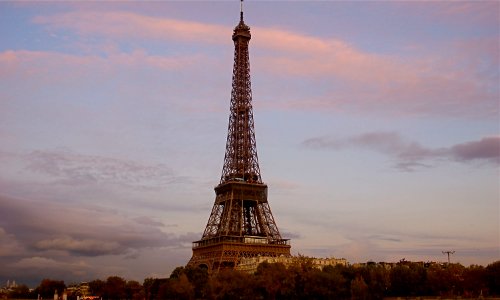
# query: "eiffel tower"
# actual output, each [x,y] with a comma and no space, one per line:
[241,224]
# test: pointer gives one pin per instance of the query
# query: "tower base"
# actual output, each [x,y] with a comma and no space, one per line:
[225,252]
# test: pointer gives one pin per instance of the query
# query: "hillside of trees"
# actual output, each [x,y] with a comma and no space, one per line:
[299,281]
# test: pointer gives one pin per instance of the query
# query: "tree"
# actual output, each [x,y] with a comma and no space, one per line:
[48,287]
[475,281]
[437,280]
[115,288]
[134,290]
[381,284]
[456,278]
[198,276]
[326,284]
[232,284]
[445,281]
[407,279]
[97,287]
[274,281]
[359,289]
[377,279]
[177,288]
[493,278]
[305,263]
[152,287]
[20,292]
[176,273]
[337,283]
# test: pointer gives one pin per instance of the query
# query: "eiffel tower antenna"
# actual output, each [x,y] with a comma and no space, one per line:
[241,224]
[241,11]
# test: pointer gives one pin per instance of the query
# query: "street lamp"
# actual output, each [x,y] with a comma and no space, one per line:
[448,252]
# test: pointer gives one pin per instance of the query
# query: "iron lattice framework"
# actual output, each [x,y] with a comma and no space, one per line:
[240,161]
[241,224]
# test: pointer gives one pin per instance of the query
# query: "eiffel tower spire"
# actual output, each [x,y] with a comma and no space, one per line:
[241,224]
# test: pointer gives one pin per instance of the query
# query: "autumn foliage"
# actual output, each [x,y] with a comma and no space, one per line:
[298,281]
[303,281]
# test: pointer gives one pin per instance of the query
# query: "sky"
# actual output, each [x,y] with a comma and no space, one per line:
[377,128]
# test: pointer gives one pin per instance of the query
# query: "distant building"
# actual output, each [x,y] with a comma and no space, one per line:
[402,262]
[250,264]
[81,290]
[11,285]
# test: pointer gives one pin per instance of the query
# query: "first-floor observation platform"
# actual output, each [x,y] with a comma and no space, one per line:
[225,252]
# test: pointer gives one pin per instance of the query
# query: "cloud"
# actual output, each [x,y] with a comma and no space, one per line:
[8,244]
[283,186]
[37,265]
[487,148]
[385,238]
[290,235]
[431,84]
[457,78]
[361,245]
[40,239]
[128,25]
[149,221]
[86,247]
[411,155]
[71,168]
[81,82]
[62,175]
[30,270]
[386,142]
[61,228]
[36,64]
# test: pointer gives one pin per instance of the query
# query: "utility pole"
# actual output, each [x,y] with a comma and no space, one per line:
[448,252]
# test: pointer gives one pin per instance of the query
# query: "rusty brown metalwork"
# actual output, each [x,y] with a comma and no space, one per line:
[241,224]
[240,161]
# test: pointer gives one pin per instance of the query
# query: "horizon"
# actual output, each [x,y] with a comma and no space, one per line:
[377,129]
[35,284]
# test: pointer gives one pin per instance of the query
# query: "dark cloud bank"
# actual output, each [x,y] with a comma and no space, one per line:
[46,239]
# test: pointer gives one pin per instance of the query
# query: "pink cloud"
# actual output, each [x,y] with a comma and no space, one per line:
[290,42]
[458,78]
[461,83]
[127,25]
[69,77]
[130,25]
[36,61]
